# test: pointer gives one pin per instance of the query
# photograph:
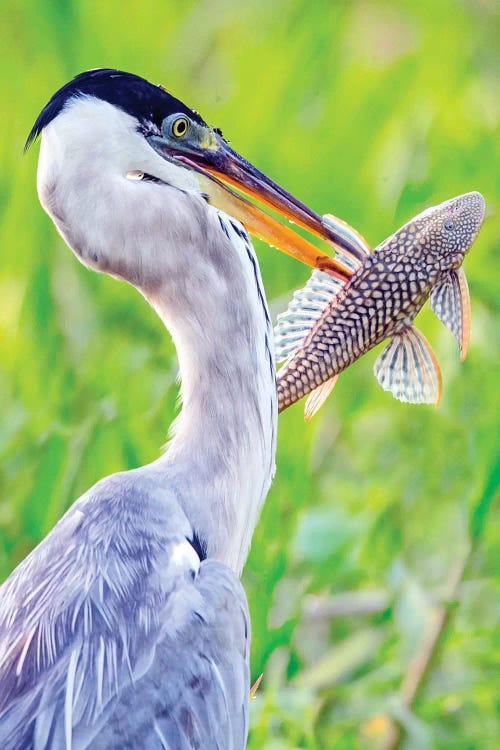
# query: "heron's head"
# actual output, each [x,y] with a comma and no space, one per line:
[116,147]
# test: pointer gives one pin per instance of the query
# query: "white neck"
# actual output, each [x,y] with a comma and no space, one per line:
[197,268]
[221,456]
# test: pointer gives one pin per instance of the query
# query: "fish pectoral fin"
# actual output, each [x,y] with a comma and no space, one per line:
[317,398]
[305,309]
[450,302]
[408,369]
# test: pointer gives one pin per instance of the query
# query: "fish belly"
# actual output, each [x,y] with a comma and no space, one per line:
[344,335]
[369,312]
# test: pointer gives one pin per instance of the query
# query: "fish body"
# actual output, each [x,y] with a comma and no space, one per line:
[328,326]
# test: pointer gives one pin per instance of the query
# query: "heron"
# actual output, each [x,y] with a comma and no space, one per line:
[127,626]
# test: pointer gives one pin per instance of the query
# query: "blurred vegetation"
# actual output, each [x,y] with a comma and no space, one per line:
[381,519]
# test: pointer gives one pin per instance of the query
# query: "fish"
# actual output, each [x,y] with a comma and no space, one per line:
[331,323]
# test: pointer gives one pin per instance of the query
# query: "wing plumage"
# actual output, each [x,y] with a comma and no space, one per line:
[116,637]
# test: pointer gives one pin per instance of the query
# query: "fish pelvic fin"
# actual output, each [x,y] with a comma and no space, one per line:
[408,369]
[450,302]
[305,309]
[317,398]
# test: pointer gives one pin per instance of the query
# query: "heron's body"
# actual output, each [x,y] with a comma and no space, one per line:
[127,626]
[141,638]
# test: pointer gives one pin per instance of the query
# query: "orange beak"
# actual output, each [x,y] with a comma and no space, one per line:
[220,169]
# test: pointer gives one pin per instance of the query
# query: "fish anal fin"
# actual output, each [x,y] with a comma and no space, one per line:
[317,398]
[408,369]
[450,302]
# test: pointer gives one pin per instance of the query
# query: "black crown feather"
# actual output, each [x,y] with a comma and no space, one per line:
[133,94]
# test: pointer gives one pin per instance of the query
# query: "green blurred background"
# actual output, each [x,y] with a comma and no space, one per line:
[371,111]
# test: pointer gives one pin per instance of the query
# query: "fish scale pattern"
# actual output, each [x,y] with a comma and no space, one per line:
[377,302]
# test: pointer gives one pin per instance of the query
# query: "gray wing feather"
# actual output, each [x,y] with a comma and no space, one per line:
[113,635]
[198,682]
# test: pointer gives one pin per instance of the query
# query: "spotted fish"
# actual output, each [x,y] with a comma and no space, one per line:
[330,324]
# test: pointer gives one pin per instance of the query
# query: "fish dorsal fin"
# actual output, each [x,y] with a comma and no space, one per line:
[360,247]
[450,302]
[408,369]
[317,398]
[304,310]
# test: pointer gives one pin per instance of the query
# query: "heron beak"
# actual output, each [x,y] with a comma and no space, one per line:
[220,169]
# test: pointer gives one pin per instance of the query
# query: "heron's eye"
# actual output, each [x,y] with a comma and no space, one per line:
[179,127]
[449,225]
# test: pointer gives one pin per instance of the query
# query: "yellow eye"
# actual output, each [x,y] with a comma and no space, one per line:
[180,127]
